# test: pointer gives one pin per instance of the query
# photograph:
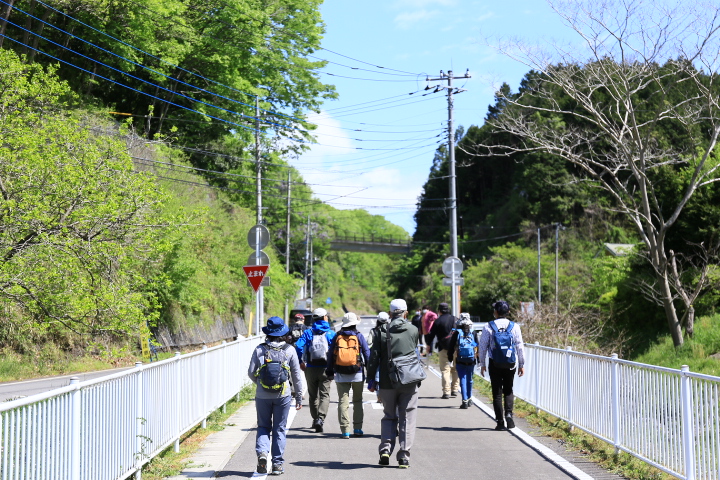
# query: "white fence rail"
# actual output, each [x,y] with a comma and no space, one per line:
[107,428]
[665,417]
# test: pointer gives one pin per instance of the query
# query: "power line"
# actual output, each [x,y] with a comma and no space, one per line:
[366,79]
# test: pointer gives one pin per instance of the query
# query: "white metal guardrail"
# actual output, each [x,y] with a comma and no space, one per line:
[668,418]
[108,428]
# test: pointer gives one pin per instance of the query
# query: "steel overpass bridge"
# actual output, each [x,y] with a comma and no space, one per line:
[371,244]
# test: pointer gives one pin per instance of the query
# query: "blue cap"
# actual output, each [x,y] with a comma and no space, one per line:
[502,307]
[275,327]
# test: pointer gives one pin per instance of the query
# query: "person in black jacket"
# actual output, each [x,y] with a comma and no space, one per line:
[443,329]
[463,349]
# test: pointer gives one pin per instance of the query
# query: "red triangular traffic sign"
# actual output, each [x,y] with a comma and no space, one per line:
[255,274]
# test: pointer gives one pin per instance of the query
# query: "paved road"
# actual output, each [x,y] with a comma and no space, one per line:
[450,443]
[13,390]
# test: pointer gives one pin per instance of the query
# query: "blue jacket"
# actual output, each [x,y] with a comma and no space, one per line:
[305,339]
[364,349]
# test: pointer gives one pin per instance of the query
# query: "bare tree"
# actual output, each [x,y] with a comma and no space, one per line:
[642,68]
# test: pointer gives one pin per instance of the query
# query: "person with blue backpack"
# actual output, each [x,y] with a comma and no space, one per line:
[463,348]
[312,348]
[503,339]
[272,365]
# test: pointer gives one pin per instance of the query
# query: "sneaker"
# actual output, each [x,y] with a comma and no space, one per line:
[445,396]
[510,422]
[345,435]
[262,463]
[277,470]
[358,432]
[500,425]
[384,459]
[318,425]
[464,405]
[454,394]
[403,463]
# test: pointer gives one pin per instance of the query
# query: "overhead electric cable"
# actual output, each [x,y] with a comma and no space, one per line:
[366,79]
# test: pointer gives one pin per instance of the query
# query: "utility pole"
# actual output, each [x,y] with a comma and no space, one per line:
[259,297]
[557,235]
[539,275]
[312,262]
[307,258]
[453,197]
[287,240]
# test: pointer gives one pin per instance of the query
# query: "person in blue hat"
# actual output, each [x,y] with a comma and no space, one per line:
[272,365]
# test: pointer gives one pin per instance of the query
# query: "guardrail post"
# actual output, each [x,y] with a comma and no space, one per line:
[205,387]
[568,373]
[139,420]
[614,375]
[224,374]
[178,401]
[687,423]
[75,431]
[536,374]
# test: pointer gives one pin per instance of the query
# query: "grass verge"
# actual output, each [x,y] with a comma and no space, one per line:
[593,448]
[169,463]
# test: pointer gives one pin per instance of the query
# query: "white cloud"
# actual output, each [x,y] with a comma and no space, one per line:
[486,16]
[406,20]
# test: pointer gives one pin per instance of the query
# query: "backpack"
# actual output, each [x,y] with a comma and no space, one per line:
[274,371]
[318,350]
[296,331]
[466,348]
[347,354]
[503,350]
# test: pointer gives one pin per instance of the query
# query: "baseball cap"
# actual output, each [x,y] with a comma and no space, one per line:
[398,304]
[444,307]
[383,317]
[319,312]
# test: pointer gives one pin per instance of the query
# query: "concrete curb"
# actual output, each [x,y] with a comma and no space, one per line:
[553,457]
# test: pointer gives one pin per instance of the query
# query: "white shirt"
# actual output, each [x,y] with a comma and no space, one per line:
[488,335]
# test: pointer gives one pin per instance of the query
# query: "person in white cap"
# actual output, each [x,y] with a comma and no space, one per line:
[349,353]
[400,338]
[312,349]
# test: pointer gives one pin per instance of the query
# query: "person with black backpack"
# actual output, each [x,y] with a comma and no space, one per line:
[349,354]
[463,349]
[312,347]
[443,329]
[504,341]
[272,365]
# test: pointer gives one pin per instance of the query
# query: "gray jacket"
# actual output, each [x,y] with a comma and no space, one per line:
[295,373]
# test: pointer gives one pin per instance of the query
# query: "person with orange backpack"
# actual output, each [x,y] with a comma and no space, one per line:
[349,353]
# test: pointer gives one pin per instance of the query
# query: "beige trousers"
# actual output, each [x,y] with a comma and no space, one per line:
[449,374]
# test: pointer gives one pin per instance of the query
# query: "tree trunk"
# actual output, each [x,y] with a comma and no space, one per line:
[670,313]
[4,23]
[690,325]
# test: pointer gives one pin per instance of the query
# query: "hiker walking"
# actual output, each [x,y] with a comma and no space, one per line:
[380,326]
[312,349]
[394,354]
[349,353]
[427,319]
[298,327]
[443,329]
[463,350]
[504,341]
[272,364]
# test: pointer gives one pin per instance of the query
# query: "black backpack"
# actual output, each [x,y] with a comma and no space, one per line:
[274,371]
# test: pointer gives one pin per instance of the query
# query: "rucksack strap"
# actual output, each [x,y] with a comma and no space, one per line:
[493,326]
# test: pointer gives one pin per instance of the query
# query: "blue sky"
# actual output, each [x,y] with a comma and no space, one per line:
[398,136]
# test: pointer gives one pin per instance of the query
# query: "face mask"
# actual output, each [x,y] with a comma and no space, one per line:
[424,311]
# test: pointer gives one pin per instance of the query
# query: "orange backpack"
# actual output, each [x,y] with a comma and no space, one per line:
[347,354]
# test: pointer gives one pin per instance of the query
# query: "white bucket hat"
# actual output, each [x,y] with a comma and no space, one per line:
[349,320]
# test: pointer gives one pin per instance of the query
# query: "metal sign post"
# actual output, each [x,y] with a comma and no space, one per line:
[452,267]
[258,237]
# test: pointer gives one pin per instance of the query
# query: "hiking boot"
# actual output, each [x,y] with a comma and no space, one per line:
[318,425]
[262,463]
[358,432]
[500,425]
[345,435]
[453,394]
[384,459]
[403,463]
[509,422]
[277,470]
[445,396]
[464,405]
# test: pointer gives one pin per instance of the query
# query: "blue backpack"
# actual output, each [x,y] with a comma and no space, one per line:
[274,371]
[503,350]
[466,348]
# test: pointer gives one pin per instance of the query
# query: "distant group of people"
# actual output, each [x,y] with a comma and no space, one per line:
[387,362]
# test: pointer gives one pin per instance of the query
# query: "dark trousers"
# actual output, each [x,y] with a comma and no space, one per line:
[501,381]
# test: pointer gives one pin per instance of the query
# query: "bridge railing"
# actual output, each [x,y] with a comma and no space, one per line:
[372,239]
[666,417]
[108,428]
